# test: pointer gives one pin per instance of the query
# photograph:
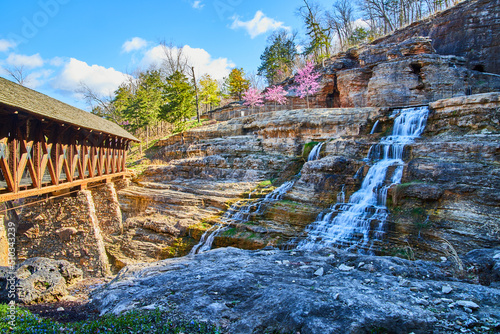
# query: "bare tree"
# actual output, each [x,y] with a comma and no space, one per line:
[18,73]
[175,60]
[100,105]
[256,81]
[341,21]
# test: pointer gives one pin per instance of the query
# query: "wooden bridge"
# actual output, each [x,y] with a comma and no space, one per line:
[47,146]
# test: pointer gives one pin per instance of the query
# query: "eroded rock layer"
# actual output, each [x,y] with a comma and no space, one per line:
[446,205]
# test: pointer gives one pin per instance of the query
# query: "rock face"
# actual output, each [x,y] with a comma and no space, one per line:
[451,184]
[389,75]
[289,292]
[207,169]
[470,29]
[446,205]
[41,280]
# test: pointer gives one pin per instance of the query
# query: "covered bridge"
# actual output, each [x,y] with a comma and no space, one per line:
[47,145]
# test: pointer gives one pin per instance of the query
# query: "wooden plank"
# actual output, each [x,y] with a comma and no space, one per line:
[48,162]
[66,162]
[37,151]
[32,169]
[4,165]
[82,161]
[95,160]
[13,156]
[45,190]
[23,152]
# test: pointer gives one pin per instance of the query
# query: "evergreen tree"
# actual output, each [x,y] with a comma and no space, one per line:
[180,101]
[278,58]
[141,108]
[319,34]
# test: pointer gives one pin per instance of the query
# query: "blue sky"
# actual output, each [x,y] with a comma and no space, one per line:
[62,43]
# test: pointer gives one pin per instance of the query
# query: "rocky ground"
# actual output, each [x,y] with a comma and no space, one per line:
[273,291]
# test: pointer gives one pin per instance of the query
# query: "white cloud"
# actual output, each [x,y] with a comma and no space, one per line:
[199,58]
[259,25]
[57,61]
[5,45]
[361,23]
[101,79]
[198,4]
[33,61]
[37,78]
[134,44]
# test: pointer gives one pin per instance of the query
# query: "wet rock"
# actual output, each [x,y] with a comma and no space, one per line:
[486,264]
[343,267]
[319,272]
[467,304]
[446,289]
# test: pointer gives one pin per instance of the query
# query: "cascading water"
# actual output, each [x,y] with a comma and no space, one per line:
[238,214]
[362,219]
[314,154]
[374,127]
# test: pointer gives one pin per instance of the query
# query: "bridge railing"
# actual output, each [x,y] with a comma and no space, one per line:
[39,156]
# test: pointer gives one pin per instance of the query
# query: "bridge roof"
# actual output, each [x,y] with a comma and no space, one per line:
[24,99]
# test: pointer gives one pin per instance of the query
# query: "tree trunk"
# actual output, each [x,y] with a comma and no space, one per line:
[196,92]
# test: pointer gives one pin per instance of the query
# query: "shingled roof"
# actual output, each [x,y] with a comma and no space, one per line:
[30,101]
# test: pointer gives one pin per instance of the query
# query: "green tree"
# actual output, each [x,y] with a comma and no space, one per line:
[121,103]
[209,91]
[278,58]
[359,35]
[140,104]
[319,35]
[180,101]
[237,83]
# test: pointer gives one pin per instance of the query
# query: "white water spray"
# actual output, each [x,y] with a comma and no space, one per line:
[361,220]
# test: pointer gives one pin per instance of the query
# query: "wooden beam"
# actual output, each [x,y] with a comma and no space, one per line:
[13,155]
[45,190]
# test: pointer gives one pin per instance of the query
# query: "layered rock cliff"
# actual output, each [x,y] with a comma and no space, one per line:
[446,205]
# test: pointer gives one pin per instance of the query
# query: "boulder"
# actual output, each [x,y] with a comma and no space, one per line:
[41,280]
[272,291]
[486,264]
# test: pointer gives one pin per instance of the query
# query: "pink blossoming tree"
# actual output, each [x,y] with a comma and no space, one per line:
[307,82]
[253,98]
[276,94]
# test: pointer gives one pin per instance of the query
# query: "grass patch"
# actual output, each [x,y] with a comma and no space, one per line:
[265,183]
[180,247]
[161,322]
[229,232]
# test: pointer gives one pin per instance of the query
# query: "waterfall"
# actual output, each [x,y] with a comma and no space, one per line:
[207,239]
[240,213]
[361,220]
[374,127]
[314,154]
[341,195]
